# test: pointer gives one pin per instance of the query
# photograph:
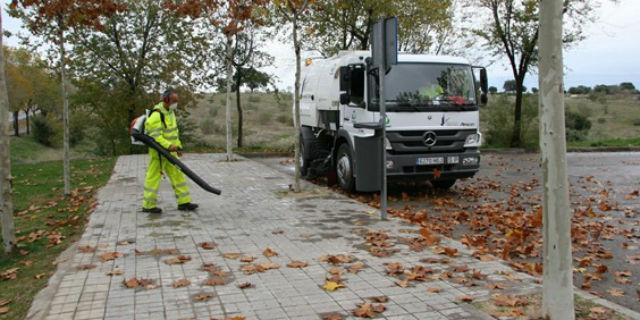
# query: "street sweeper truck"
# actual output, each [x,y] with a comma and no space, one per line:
[432,119]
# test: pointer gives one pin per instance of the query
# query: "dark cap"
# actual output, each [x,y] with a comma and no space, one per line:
[167,93]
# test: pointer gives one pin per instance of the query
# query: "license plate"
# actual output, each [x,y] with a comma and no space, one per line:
[430,161]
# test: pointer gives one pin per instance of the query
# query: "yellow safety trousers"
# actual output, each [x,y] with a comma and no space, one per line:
[165,136]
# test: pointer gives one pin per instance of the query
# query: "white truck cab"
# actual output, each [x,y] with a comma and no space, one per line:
[432,123]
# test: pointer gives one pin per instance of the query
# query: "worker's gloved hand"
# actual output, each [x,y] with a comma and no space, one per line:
[173,148]
[179,153]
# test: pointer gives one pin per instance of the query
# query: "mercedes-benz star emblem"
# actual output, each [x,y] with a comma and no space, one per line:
[430,139]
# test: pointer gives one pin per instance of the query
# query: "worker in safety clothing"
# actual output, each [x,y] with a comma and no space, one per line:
[162,126]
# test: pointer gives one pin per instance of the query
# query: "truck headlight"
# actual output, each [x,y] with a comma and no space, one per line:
[473,140]
[387,144]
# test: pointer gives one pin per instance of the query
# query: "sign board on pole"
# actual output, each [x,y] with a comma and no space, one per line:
[384,43]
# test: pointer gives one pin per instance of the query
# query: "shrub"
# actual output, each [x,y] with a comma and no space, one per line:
[255,98]
[284,119]
[42,130]
[577,126]
[213,111]
[577,121]
[207,126]
[264,117]
[499,124]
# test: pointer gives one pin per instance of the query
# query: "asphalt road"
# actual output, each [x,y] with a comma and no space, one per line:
[604,182]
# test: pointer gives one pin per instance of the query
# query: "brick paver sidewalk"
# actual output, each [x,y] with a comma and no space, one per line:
[254,212]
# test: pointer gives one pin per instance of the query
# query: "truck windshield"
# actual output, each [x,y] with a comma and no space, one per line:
[420,86]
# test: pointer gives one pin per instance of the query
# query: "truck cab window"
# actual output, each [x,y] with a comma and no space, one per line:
[357,85]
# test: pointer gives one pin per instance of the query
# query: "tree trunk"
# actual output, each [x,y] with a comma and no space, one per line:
[26,113]
[239,107]
[516,138]
[296,103]
[6,201]
[16,123]
[557,290]
[65,114]
[229,123]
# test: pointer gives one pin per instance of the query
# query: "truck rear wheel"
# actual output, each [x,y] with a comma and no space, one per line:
[344,168]
[443,184]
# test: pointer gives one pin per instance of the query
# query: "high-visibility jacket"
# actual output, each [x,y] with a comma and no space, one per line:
[166,134]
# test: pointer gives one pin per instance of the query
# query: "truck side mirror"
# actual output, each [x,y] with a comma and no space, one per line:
[484,82]
[345,98]
[345,78]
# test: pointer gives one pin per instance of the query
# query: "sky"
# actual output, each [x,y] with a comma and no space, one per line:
[609,55]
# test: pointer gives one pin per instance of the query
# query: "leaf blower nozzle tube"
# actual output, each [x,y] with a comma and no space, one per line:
[151,143]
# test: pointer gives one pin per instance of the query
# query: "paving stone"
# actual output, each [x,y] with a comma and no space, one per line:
[255,203]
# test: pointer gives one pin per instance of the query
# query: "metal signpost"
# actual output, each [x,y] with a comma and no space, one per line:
[384,54]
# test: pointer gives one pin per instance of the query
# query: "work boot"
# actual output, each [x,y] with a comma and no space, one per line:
[187,206]
[152,210]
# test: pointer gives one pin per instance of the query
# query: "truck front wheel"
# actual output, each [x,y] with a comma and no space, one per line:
[344,168]
[443,184]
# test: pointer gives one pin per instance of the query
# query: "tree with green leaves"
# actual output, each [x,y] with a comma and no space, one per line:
[52,20]
[296,13]
[512,31]
[231,18]
[424,25]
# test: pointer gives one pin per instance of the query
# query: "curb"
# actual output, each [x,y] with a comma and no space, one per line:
[42,301]
[606,303]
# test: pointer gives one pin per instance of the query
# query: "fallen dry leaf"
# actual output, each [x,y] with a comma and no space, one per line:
[297,264]
[368,310]
[268,252]
[40,275]
[181,259]
[402,283]
[215,281]
[434,290]
[245,285]
[181,283]
[333,316]
[394,268]
[332,286]
[133,283]
[336,259]
[247,259]
[86,267]
[356,267]
[87,249]
[615,292]
[379,299]
[465,298]
[108,256]
[4,310]
[207,245]
[9,274]
[115,272]
[201,297]
[231,255]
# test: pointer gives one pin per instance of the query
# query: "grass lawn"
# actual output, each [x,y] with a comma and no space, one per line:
[46,223]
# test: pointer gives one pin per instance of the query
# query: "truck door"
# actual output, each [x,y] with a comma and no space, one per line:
[356,110]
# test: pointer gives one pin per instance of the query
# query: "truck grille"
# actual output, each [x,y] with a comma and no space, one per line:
[408,142]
